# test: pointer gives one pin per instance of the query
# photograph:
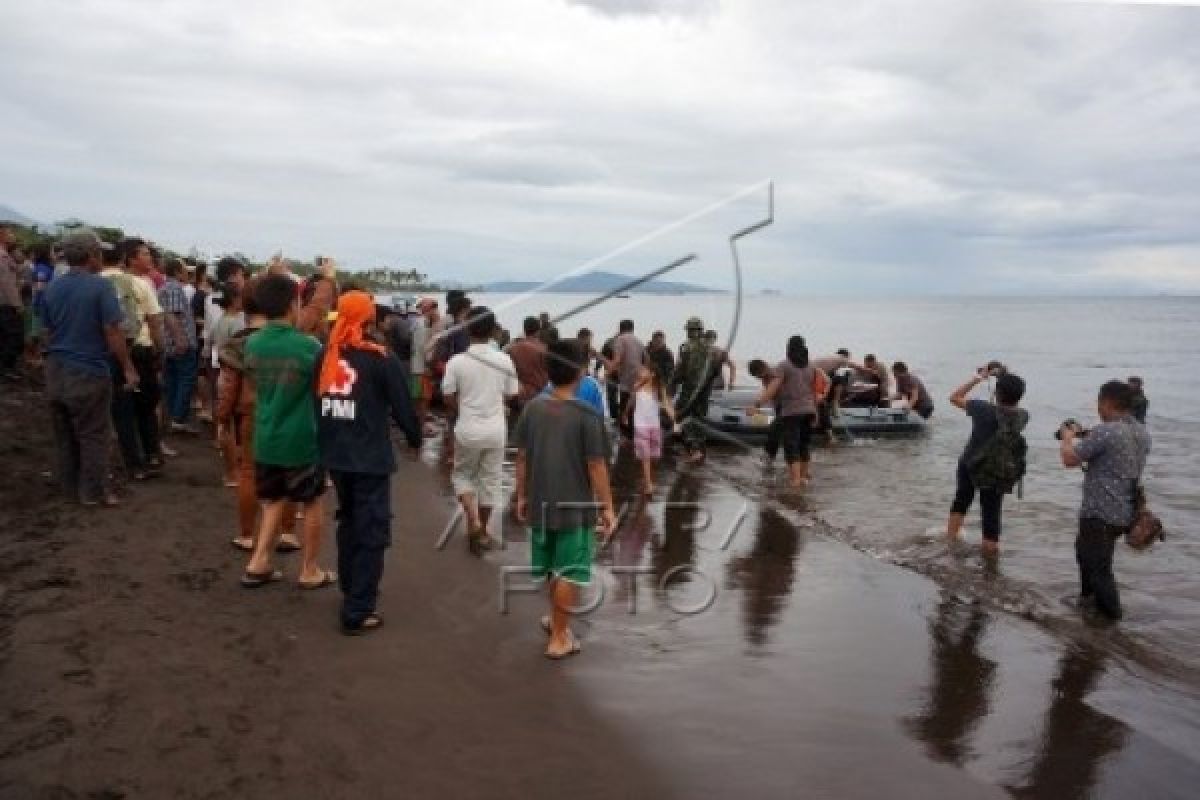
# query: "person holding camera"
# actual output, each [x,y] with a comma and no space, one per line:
[994,458]
[1113,455]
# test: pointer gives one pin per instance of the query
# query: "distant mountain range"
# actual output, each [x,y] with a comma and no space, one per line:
[599,283]
[12,215]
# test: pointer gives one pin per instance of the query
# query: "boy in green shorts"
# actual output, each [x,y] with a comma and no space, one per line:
[562,479]
[282,363]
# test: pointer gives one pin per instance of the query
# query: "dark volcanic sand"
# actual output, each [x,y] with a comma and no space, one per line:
[132,665]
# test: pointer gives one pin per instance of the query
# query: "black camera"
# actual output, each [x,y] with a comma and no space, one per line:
[994,369]
[1074,425]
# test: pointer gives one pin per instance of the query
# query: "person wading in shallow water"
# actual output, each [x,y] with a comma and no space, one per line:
[361,386]
[1114,454]
[691,387]
[562,475]
[799,387]
[986,421]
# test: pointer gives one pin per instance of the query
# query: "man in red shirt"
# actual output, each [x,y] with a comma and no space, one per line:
[528,355]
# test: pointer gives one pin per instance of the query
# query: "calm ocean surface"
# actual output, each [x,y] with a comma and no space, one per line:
[890,498]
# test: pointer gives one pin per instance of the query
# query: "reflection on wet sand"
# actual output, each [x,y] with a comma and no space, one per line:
[1076,739]
[683,517]
[765,575]
[962,682]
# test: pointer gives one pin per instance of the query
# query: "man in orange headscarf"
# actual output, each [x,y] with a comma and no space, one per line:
[359,386]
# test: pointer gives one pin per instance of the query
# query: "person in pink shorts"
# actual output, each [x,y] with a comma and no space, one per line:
[646,407]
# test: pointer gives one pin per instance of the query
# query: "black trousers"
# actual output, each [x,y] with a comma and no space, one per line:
[124,420]
[991,503]
[1094,547]
[12,336]
[364,532]
[773,438]
[147,398]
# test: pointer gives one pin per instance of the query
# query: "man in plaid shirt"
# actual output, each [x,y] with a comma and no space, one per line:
[179,374]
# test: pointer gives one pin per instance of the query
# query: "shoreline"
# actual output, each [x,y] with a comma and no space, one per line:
[131,663]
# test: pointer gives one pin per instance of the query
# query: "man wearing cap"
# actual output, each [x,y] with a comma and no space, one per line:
[83,323]
[691,381]
[12,331]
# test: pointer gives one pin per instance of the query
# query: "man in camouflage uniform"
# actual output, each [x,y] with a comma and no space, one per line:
[691,381]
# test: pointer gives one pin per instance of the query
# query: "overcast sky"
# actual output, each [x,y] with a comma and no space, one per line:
[932,146]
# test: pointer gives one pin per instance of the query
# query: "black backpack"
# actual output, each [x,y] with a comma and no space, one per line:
[1000,463]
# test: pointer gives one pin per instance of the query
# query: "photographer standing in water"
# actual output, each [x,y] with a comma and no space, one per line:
[1113,455]
[994,459]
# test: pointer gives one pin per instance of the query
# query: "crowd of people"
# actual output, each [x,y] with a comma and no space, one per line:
[303,382]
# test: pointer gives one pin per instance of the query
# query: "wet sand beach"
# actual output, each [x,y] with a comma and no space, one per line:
[132,664]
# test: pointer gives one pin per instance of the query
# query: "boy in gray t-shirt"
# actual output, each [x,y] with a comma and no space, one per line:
[562,489]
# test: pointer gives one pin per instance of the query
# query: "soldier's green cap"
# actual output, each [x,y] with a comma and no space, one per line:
[694,323]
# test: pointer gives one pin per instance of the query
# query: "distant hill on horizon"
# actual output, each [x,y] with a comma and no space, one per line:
[9,214]
[599,282]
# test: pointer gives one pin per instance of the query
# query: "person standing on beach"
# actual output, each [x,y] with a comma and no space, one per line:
[476,387]
[528,355]
[660,356]
[137,442]
[179,374]
[360,386]
[562,479]
[420,389]
[987,419]
[148,349]
[628,358]
[282,363]
[83,325]
[1114,454]
[644,418]
[691,387]
[799,387]
[12,329]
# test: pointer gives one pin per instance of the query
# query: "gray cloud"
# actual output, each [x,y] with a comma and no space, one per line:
[924,145]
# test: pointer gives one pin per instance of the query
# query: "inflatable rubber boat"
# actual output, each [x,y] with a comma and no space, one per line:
[728,417]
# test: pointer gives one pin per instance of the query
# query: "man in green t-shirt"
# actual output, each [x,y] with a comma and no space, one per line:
[282,362]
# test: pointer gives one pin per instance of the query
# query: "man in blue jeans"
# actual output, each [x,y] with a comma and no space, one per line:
[179,373]
[83,327]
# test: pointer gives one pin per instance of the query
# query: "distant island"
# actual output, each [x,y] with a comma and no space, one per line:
[599,282]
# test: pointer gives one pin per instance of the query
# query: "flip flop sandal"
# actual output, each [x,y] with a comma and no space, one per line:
[286,547]
[575,649]
[257,580]
[242,544]
[327,579]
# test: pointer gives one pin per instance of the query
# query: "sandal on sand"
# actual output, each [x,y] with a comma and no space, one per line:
[373,622]
[256,580]
[327,579]
[575,649]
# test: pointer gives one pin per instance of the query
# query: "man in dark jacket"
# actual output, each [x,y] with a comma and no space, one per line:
[360,385]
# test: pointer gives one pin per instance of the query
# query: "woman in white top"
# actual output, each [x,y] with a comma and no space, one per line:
[646,405]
